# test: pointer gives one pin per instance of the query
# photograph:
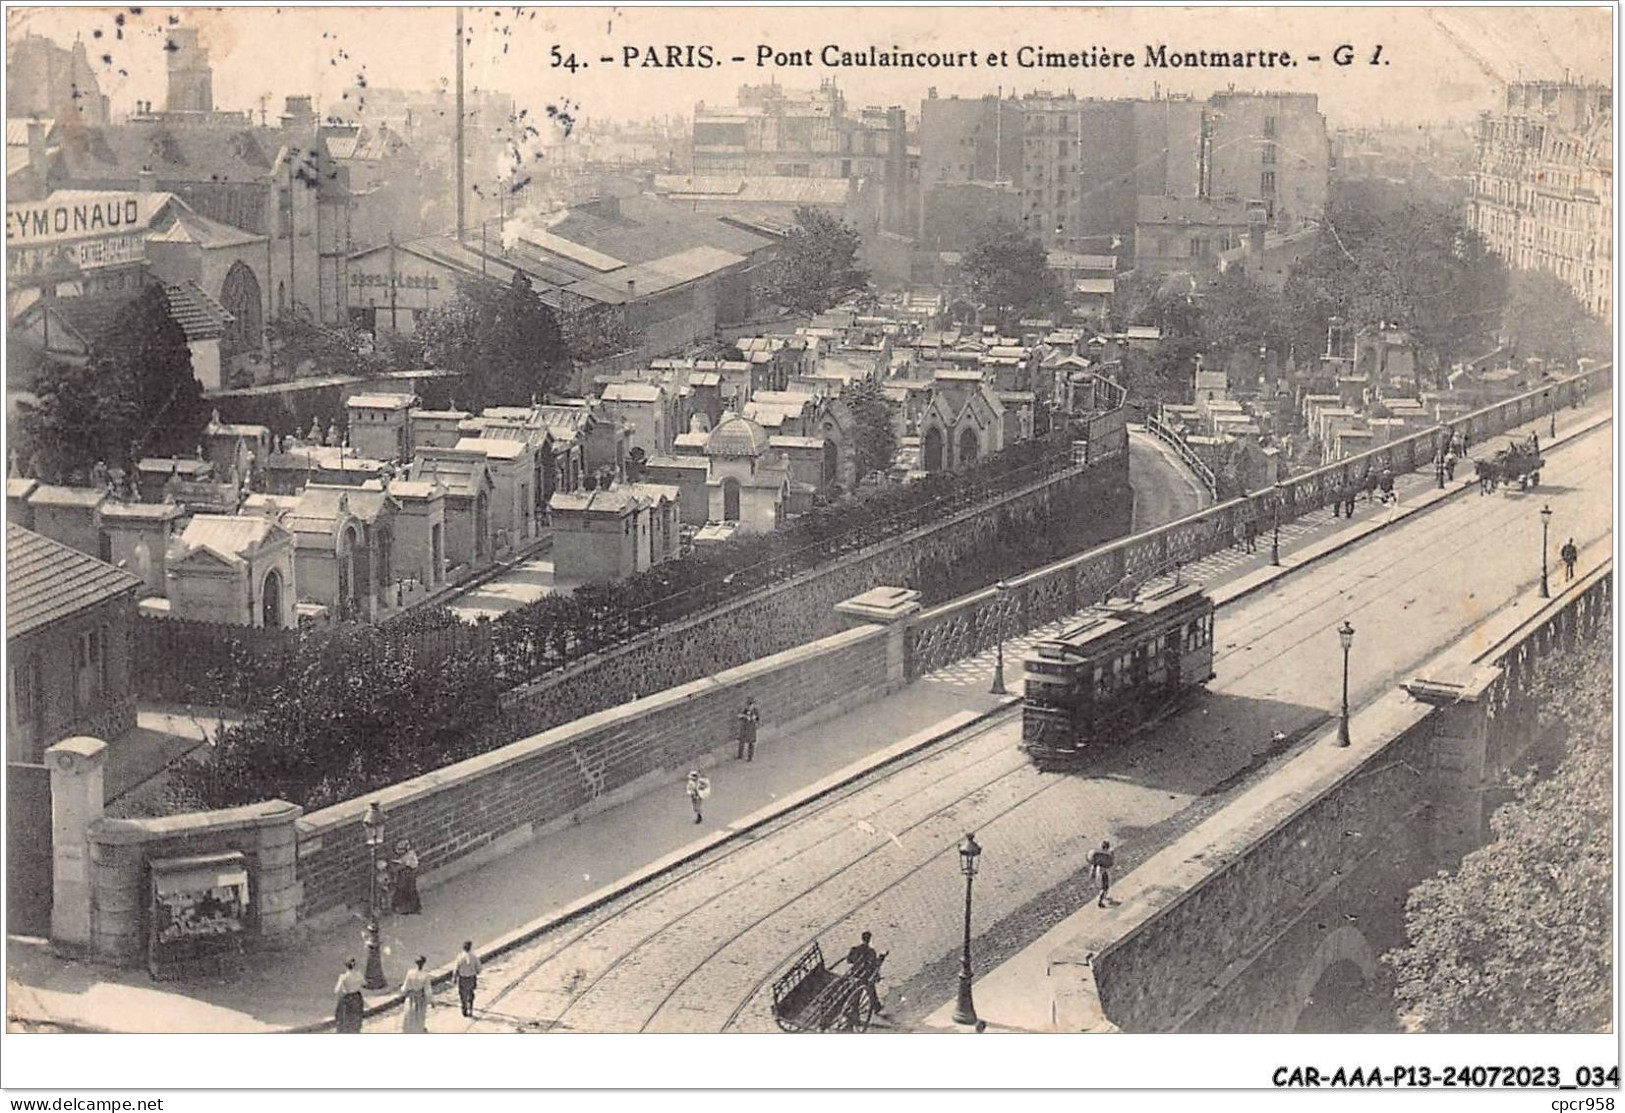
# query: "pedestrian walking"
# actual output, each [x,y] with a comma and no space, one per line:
[1100,868]
[863,963]
[698,788]
[1570,555]
[1348,504]
[405,900]
[468,977]
[1250,535]
[348,1004]
[748,718]
[416,990]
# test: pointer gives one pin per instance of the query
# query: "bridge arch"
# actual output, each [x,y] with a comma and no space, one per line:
[1342,956]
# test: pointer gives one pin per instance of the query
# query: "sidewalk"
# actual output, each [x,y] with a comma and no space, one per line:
[292,988]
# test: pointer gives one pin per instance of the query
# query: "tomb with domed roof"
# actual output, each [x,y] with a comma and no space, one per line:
[748,482]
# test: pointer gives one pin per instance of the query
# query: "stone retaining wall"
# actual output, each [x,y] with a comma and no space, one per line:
[479,809]
[1227,891]
[1096,500]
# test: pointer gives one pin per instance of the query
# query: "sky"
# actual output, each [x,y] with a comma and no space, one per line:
[1438,64]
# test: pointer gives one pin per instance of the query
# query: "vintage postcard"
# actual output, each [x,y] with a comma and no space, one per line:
[886,520]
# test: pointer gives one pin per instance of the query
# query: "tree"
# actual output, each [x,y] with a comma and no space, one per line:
[1416,266]
[1238,472]
[875,435]
[1545,319]
[817,263]
[1009,274]
[148,356]
[598,335]
[137,395]
[354,709]
[75,418]
[299,346]
[1520,937]
[1239,315]
[507,344]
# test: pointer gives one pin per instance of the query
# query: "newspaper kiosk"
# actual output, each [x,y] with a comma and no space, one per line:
[199,913]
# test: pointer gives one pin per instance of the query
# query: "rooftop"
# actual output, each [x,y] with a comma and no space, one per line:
[230,536]
[46,581]
[381,401]
[736,436]
[494,448]
[47,495]
[632,392]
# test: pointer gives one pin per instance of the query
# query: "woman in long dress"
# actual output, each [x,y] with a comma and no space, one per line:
[406,901]
[416,988]
[349,1005]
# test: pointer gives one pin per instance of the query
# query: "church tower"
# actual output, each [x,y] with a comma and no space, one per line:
[191,79]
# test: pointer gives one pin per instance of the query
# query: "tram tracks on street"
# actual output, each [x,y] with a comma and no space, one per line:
[805,816]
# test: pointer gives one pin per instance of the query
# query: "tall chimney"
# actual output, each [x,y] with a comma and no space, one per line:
[461,121]
[146,180]
[36,156]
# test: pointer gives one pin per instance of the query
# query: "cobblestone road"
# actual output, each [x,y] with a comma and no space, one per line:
[697,950]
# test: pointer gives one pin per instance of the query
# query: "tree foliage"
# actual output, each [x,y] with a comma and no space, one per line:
[1009,273]
[1238,472]
[300,346]
[1417,266]
[135,397]
[817,263]
[1520,937]
[75,418]
[1544,318]
[502,339]
[354,709]
[1240,315]
[875,435]
[598,335]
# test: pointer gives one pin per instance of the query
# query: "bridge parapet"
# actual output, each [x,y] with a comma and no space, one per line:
[973,623]
[1251,886]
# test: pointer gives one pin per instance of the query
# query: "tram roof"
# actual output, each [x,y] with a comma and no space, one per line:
[1101,623]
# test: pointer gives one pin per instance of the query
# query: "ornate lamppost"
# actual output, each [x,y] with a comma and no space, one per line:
[1001,591]
[1345,634]
[1545,523]
[373,821]
[965,1010]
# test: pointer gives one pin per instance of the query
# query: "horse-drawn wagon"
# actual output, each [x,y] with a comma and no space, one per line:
[1519,462]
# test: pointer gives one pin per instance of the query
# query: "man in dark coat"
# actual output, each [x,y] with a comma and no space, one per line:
[749,717]
[864,964]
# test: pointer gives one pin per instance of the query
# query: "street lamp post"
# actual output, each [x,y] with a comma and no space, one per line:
[1545,523]
[965,1010]
[1275,533]
[1001,590]
[373,821]
[1345,634]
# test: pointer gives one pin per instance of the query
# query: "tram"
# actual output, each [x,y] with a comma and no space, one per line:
[1125,664]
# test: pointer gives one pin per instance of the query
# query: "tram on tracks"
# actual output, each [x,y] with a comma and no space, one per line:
[1126,663]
